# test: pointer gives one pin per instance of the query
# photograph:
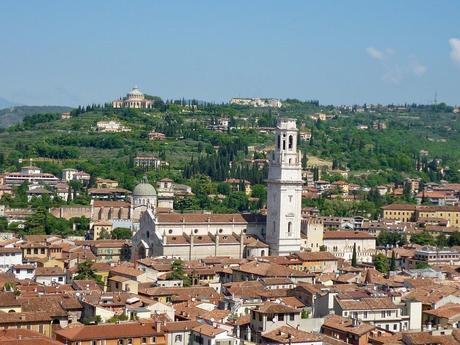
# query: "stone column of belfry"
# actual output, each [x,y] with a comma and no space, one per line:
[284,191]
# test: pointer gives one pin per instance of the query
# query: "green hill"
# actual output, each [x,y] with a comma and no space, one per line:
[14,115]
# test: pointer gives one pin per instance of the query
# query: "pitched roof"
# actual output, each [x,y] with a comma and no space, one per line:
[371,303]
[267,269]
[48,271]
[193,218]
[288,335]
[316,256]
[275,308]
[109,331]
[208,330]
[342,234]
[346,325]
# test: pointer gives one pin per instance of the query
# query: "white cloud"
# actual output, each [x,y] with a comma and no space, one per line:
[394,69]
[455,50]
[393,74]
[417,68]
[375,53]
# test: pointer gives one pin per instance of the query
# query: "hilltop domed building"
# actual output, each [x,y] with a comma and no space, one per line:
[134,99]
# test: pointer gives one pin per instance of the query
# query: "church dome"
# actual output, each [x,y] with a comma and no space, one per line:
[144,189]
[135,92]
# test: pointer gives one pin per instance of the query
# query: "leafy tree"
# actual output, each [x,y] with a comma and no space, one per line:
[423,238]
[178,272]
[104,235]
[391,238]
[116,318]
[421,265]
[454,239]
[86,272]
[121,234]
[224,188]
[259,191]
[442,240]
[381,263]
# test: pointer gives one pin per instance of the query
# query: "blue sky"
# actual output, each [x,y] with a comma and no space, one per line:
[340,52]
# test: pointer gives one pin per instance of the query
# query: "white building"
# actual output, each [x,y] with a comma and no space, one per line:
[313,231]
[134,99]
[111,127]
[70,174]
[9,257]
[24,271]
[209,335]
[341,244]
[257,102]
[30,174]
[284,191]
[197,235]
[50,276]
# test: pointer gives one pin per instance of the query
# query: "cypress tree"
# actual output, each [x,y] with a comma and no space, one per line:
[354,260]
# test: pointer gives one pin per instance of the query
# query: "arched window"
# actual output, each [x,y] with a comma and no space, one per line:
[290,229]
[262,253]
[291,141]
[279,141]
[284,144]
[195,231]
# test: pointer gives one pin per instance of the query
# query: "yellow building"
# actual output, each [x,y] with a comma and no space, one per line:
[411,213]
[401,212]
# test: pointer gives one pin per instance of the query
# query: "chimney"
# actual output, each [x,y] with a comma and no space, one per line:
[158,325]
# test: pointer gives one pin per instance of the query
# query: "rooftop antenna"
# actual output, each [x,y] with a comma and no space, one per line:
[435,97]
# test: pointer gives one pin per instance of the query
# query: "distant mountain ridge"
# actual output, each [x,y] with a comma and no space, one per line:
[14,114]
[5,103]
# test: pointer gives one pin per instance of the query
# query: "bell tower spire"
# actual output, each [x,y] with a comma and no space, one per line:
[284,191]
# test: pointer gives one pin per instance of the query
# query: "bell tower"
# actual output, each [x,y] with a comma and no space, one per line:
[284,191]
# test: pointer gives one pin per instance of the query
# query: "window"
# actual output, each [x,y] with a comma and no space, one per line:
[291,317]
[289,229]
[178,338]
[130,341]
[291,141]
[365,314]
[60,279]
[395,327]
[383,314]
[154,340]
[36,251]
[144,340]
[280,317]
[279,142]
[120,341]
